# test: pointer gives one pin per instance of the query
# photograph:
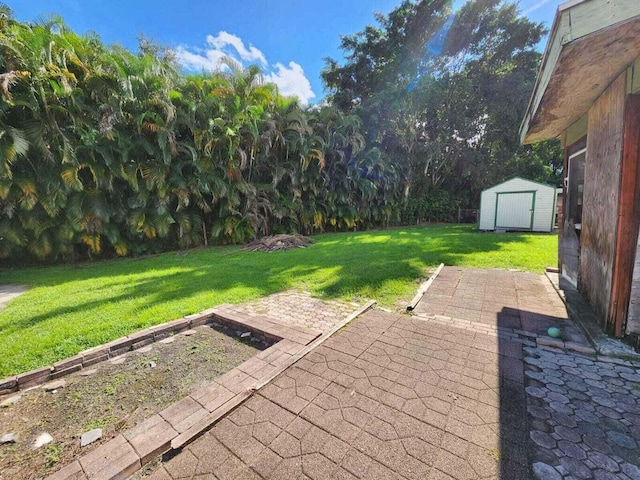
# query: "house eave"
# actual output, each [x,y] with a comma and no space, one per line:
[590,44]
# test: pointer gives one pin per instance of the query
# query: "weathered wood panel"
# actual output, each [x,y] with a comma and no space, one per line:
[628,219]
[633,320]
[583,69]
[600,200]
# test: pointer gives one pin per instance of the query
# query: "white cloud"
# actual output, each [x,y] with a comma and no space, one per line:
[535,7]
[291,80]
[225,40]
[209,60]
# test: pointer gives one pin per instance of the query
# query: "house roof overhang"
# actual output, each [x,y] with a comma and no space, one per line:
[590,44]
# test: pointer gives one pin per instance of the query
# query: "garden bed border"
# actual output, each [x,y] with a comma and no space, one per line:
[186,419]
[260,326]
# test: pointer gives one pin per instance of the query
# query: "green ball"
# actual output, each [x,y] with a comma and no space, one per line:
[554,332]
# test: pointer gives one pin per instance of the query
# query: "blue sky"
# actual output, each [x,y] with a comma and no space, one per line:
[288,38]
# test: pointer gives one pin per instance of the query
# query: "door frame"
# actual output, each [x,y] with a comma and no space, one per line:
[579,147]
[533,209]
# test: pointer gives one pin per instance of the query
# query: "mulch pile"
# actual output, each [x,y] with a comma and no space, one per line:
[279,242]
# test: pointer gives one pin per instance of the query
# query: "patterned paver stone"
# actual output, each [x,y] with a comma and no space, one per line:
[53,386]
[91,436]
[388,397]
[299,308]
[631,471]
[8,438]
[622,440]
[7,402]
[542,471]
[596,425]
[542,439]
[458,391]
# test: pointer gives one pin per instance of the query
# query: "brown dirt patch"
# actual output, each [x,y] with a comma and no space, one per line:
[115,398]
[279,242]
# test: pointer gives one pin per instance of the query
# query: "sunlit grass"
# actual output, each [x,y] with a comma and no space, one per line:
[70,308]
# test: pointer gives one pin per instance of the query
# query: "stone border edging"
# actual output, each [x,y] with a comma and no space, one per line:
[103,352]
[185,420]
[263,326]
[423,288]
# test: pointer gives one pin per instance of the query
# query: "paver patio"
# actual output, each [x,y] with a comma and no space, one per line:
[397,396]
[584,416]
[390,396]
[519,301]
[298,308]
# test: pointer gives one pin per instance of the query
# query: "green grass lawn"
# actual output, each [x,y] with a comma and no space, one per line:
[71,308]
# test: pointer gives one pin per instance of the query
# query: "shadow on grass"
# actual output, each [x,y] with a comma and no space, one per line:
[72,308]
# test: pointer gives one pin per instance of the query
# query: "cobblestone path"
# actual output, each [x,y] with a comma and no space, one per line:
[585,416]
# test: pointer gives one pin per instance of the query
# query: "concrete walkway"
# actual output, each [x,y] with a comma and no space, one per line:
[9,292]
[429,396]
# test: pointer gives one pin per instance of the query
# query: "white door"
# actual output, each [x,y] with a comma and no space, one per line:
[514,210]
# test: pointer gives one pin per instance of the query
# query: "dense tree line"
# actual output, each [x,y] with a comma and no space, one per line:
[442,96]
[104,151]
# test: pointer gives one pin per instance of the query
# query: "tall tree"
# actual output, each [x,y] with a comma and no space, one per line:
[429,85]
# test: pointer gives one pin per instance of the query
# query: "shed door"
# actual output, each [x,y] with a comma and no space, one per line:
[514,210]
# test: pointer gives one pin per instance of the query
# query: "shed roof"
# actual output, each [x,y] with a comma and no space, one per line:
[590,44]
[520,179]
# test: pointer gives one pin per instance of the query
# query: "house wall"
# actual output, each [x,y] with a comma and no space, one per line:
[544,213]
[633,314]
[633,320]
[600,200]
[624,272]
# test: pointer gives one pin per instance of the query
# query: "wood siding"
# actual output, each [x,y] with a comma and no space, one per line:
[633,320]
[628,216]
[601,193]
[545,201]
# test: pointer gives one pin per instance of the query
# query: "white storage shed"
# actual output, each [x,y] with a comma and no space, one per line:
[518,204]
